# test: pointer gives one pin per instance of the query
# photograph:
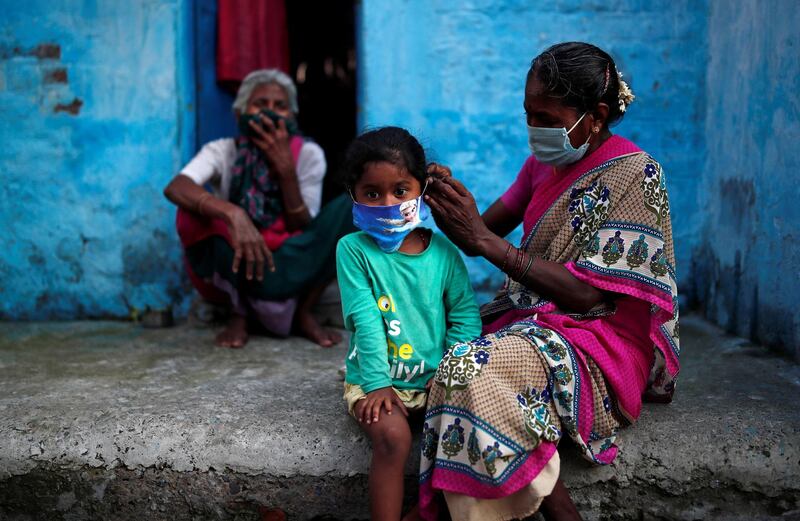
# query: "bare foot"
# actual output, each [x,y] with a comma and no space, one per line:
[558,506]
[413,514]
[307,325]
[235,333]
[271,514]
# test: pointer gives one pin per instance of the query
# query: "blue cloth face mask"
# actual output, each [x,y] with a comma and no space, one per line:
[389,225]
[551,146]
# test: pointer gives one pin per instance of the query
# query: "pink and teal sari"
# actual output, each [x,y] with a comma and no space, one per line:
[501,403]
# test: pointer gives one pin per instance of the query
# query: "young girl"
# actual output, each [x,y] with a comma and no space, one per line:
[406,297]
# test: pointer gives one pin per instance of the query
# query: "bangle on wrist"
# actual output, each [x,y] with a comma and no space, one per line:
[198,205]
[297,209]
[505,258]
[518,263]
[527,268]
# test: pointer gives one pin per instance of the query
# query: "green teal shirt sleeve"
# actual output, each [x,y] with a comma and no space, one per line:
[362,318]
[463,317]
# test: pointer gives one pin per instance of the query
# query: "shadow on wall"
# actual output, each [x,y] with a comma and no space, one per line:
[727,273]
[746,261]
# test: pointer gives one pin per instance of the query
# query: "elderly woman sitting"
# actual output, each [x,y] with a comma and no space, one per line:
[259,242]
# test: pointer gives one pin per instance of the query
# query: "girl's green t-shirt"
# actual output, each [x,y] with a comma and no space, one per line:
[403,310]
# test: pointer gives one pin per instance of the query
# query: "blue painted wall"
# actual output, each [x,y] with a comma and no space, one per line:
[453,73]
[748,258]
[95,105]
[97,114]
[214,116]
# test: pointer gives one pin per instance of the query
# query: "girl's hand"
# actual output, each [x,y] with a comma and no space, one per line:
[368,410]
[456,214]
[274,143]
[247,242]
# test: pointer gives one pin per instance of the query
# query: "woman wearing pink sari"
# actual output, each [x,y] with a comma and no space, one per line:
[586,324]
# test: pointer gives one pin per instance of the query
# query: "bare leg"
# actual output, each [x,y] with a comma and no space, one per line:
[307,325]
[413,514]
[235,333]
[558,506]
[391,444]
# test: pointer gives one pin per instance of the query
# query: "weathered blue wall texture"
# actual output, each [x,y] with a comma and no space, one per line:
[96,106]
[92,106]
[453,73]
[748,255]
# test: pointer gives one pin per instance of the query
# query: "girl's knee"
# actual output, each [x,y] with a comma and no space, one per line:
[392,441]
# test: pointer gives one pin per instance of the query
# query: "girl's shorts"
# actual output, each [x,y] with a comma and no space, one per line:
[413,399]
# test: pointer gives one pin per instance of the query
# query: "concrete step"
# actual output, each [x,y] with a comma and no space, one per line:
[107,420]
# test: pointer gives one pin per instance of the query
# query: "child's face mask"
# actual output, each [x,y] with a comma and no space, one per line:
[389,225]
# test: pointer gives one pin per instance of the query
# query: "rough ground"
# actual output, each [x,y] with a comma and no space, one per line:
[104,420]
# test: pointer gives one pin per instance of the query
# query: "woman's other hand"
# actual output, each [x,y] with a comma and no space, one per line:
[456,214]
[368,410]
[273,141]
[248,244]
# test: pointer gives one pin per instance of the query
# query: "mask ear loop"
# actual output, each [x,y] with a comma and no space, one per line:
[576,123]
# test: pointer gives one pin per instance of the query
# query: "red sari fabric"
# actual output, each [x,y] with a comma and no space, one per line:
[251,34]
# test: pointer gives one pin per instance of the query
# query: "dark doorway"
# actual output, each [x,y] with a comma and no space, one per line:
[323,61]
[323,65]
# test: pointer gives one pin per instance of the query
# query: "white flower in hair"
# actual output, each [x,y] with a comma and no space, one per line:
[626,96]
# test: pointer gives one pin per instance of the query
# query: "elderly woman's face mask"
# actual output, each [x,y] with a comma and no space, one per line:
[246,130]
[271,101]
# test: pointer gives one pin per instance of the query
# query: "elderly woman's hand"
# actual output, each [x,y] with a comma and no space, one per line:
[248,243]
[274,143]
[456,214]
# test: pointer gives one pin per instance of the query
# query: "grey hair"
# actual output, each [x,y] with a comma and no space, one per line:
[262,77]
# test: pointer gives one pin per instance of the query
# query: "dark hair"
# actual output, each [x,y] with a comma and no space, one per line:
[582,74]
[393,145]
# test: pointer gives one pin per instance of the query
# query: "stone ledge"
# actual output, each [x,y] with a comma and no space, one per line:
[107,420]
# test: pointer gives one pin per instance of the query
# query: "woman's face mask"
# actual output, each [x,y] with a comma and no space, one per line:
[551,146]
[389,225]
